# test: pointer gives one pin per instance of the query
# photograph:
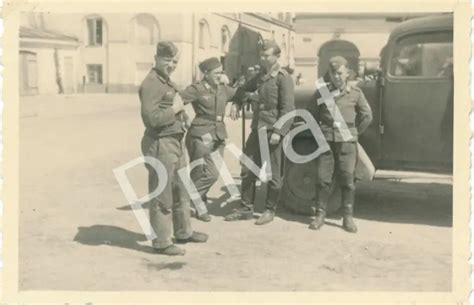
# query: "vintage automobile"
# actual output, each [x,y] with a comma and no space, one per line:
[411,97]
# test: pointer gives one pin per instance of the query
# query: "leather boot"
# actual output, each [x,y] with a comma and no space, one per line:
[321,206]
[348,221]
[318,221]
[266,217]
[348,197]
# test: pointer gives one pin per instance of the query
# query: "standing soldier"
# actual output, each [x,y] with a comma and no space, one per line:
[342,139]
[207,133]
[274,98]
[162,115]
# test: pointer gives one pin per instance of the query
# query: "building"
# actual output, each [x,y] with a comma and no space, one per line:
[358,37]
[45,58]
[76,53]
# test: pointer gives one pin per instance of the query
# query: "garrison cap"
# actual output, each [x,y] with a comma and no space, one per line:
[337,61]
[166,49]
[209,64]
[268,44]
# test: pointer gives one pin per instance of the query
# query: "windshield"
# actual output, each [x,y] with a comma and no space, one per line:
[423,55]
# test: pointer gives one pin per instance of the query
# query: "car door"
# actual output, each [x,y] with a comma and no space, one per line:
[417,115]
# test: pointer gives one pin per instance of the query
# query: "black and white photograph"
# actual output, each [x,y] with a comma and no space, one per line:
[238,151]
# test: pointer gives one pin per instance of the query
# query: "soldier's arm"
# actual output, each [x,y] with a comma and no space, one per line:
[189,95]
[241,94]
[230,93]
[154,113]
[286,101]
[364,113]
[312,105]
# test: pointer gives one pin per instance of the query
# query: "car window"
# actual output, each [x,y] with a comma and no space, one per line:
[423,55]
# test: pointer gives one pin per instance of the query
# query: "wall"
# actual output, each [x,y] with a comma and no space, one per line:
[368,35]
[119,56]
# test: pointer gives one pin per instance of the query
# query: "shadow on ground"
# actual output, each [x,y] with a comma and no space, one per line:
[384,200]
[401,202]
[98,235]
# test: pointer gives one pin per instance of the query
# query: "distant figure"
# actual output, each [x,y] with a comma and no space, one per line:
[298,79]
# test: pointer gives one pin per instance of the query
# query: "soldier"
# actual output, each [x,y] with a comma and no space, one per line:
[342,139]
[274,99]
[162,115]
[208,97]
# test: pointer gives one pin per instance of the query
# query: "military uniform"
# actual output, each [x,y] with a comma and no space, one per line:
[162,140]
[341,135]
[275,98]
[209,105]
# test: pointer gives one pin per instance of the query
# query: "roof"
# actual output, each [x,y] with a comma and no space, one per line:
[430,23]
[26,32]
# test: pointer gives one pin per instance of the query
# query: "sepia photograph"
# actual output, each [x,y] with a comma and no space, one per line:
[238,151]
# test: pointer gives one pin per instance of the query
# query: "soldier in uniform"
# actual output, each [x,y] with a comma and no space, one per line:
[342,139]
[163,117]
[207,133]
[274,98]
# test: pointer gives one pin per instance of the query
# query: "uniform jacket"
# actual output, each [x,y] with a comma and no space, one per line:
[157,93]
[275,98]
[355,112]
[209,105]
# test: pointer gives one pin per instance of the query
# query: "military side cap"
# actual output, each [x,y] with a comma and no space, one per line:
[209,64]
[337,61]
[268,44]
[166,49]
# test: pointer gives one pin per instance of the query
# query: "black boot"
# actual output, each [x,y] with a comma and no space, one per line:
[321,206]
[348,221]
[348,208]
[318,221]
[204,217]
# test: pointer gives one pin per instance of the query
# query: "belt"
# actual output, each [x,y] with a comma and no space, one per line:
[338,124]
[217,118]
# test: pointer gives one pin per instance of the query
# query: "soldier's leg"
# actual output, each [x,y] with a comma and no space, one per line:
[203,175]
[181,202]
[346,163]
[248,180]
[274,185]
[160,207]
[323,186]
[252,150]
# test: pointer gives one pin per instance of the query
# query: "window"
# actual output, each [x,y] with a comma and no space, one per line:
[94,74]
[225,39]
[32,71]
[427,55]
[204,39]
[95,31]
[146,30]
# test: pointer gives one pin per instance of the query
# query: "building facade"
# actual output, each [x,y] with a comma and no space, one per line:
[358,37]
[111,53]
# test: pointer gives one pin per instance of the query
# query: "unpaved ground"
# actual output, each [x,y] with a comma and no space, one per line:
[76,232]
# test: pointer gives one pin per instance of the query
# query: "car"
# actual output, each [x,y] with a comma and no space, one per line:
[411,96]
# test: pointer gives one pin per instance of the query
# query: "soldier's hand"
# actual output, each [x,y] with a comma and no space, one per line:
[234,112]
[224,79]
[178,104]
[275,138]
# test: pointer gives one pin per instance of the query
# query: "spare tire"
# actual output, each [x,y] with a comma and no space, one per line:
[299,182]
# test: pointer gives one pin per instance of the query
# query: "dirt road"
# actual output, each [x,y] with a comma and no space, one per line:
[77,233]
